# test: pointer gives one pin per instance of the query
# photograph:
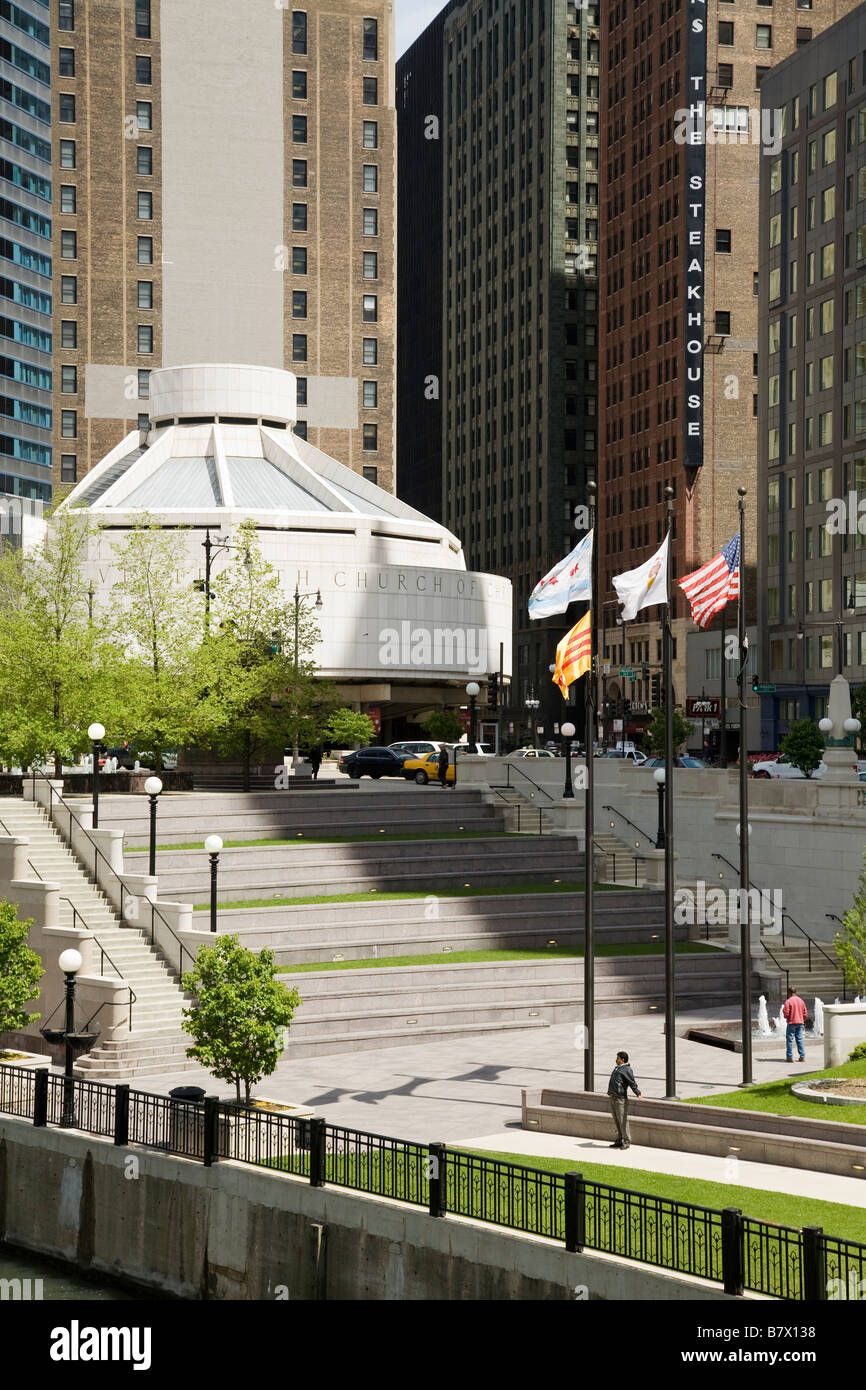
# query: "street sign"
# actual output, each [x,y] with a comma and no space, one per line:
[703,706]
[765,690]
[626,673]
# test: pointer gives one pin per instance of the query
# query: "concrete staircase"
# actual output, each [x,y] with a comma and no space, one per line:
[621,864]
[520,816]
[822,980]
[156,1012]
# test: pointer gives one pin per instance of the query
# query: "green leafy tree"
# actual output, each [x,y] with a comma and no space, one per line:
[850,943]
[443,725]
[654,733]
[20,970]
[346,727]
[242,1011]
[803,746]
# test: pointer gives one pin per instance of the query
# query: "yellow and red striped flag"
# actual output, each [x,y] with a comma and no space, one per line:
[573,655]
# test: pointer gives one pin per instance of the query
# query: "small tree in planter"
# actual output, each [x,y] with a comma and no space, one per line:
[654,733]
[443,725]
[20,971]
[241,1012]
[850,943]
[803,746]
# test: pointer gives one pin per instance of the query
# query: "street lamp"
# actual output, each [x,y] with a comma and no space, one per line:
[70,963]
[473,690]
[568,731]
[95,733]
[298,599]
[532,705]
[213,844]
[659,775]
[153,787]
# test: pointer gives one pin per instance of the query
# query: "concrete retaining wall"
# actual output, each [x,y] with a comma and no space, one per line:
[233,1232]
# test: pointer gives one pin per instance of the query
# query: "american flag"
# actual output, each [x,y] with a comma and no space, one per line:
[709,588]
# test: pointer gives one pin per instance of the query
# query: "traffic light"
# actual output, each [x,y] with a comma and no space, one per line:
[276,643]
[626,709]
[656,689]
[755,683]
[493,690]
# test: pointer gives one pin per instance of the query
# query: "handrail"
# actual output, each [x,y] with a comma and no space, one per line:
[518,808]
[526,777]
[611,854]
[796,925]
[35,870]
[154,910]
[651,838]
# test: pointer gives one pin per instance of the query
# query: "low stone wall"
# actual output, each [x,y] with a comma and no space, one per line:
[235,1232]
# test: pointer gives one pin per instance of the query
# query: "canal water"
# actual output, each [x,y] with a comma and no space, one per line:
[40,1280]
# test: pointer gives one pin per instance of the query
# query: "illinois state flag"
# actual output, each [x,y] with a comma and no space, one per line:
[648,584]
[567,582]
[573,655]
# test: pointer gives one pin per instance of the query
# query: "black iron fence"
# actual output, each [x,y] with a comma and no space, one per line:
[742,1253]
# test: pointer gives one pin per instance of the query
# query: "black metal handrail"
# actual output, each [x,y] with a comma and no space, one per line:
[527,778]
[651,838]
[154,910]
[611,854]
[519,808]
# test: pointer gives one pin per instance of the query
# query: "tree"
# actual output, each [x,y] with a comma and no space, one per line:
[443,725]
[238,1022]
[850,943]
[346,727]
[803,746]
[20,970]
[654,733]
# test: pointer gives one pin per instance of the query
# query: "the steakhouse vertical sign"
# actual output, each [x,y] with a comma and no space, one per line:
[696,182]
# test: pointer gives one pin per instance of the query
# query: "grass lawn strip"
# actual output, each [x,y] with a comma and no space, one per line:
[775,1097]
[484,891]
[651,948]
[366,839]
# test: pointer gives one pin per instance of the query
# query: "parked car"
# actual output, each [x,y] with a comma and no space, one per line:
[372,762]
[416,748]
[782,767]
[681,760]
[481,750]
[426,769]
[531,753]
[630,755]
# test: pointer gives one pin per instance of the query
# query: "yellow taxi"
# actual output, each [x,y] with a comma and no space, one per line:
[426,769]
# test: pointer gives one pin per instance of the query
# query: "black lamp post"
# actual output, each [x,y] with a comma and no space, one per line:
[473,690]
[568,731]
[153,787]
[70,963]
[532,705]
[659,775]
[213,844]
[96,733]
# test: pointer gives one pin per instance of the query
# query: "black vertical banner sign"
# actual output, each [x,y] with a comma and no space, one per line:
[696,183]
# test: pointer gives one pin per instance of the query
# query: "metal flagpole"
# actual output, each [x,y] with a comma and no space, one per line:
[723,722]
[745,927]
[589,822]
[670,976]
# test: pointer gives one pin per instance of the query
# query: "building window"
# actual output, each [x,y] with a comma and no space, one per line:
[145,338]
[142,19]
[299,86]
[371,40]
[371,178]
[69,289]
[723,321]
[299,347]
[299,260]
[764,36]
[371,91]
[371,395]
[299,31]
[299,217]
[143,383]
[145,207]
[144,115]
[142,70]
[69,424]
[371,437]
[299,304]
[68,246]
[828,147]
[144,423]
[371,265]
[301,385]
[371,353]
[143,159]
[301,429]
[69,333]
[371,308]
[371,135]
[67,197]
[66,63]
[370,474]
[803,37]
[68,468]
[145,294]
[299,173]
[723,239]
[299,130]
[66,108]
[726,33]
[67,154]
[68,380]
[66,15]
[145,250]
[371,222]
[830,86]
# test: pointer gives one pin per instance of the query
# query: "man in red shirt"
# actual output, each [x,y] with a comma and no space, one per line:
[795,1015]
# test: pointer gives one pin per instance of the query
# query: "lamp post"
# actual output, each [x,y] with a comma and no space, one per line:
[70,963]
[532,705]
[95,733]
[745,923]
[568,731]
[213,844]
[659,775]
[473,690]
[153,787]
[299,599]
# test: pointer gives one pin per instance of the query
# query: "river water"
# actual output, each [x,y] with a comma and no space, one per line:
[58,1283]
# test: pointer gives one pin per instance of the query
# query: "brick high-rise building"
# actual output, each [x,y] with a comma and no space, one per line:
[227,189]
[678,331]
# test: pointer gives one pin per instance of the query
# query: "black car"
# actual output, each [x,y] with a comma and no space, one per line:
[373,762]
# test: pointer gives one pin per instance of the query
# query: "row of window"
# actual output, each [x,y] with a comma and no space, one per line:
[66,17]
[370,45]
[369,356]
[25,139]
[27,23]
[143,67]
[69,250]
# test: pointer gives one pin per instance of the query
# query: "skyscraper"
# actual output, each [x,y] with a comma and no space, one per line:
[227,193]
[25,249]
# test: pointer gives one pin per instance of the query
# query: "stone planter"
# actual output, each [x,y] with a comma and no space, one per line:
[11,1057]
[16,1091]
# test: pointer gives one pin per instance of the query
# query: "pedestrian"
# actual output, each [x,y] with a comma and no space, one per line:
[443,766]
[794,1011]
[316,762]
[621,1079]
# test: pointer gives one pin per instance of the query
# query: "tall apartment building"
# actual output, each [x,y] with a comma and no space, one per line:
[519,207]
[25,250]
[812,369]
[227,181]
[678,335]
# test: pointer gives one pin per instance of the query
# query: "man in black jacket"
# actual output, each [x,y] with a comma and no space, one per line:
[621,1079]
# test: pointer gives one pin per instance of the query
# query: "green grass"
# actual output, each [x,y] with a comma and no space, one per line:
[488,891]
[649,948]
[383,837]
[775,1097]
